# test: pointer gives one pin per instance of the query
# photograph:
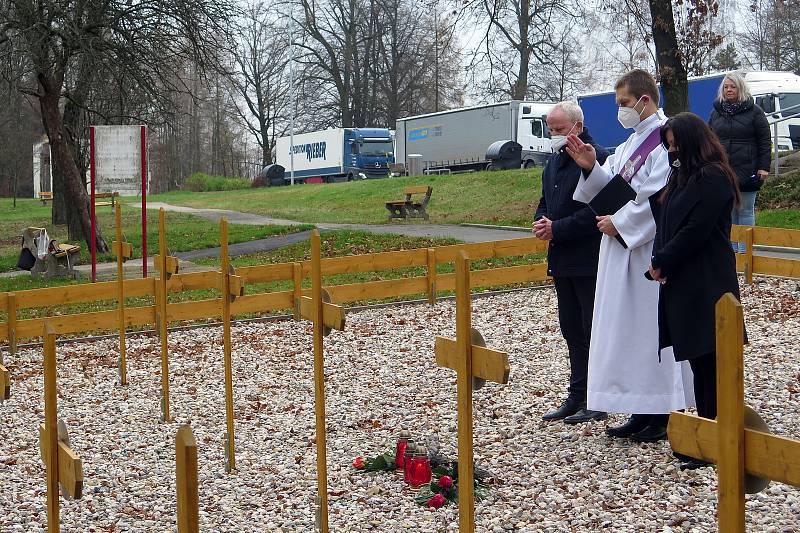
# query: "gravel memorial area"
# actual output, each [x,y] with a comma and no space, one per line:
[381,375]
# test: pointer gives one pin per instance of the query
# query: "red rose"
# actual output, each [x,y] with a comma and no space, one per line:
[436,502]
[445,482]
[358,463]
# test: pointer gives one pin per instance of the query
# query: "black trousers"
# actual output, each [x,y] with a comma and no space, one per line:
[705,384]
[575,305]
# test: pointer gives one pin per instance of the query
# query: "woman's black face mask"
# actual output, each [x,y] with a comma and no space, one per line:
[674,162]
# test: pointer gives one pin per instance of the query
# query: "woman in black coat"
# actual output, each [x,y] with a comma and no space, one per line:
[692,255]
[743,131]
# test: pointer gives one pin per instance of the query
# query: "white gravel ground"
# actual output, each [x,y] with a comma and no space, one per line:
[381,375]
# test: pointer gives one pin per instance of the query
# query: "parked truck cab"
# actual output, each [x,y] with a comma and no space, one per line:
[368,152]
[533,134]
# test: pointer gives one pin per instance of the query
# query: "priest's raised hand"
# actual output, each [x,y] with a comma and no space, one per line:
[582,153]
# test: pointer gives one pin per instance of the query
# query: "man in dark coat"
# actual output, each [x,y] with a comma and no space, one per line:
[572,255]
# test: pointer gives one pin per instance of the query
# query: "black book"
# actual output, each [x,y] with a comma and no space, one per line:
[611,198]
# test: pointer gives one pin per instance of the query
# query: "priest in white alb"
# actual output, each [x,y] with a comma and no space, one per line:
[627,374]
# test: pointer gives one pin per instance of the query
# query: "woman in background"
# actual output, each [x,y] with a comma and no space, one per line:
[692,256]
[744,132]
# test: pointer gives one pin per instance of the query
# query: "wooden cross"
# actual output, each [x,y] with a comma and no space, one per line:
[186,480]
[468,356]
[230,286]
[167,266]
[325,316]
[124,251]
[63,466]
[746,458]
[5,384]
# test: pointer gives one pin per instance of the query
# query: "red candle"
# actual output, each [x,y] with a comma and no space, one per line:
[420,468]
[410,448]
[400,450]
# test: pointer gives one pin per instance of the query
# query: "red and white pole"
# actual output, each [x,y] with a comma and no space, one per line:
[143,150]
[93,237]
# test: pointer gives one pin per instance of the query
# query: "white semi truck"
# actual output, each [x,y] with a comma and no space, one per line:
[341,154]
[458,139]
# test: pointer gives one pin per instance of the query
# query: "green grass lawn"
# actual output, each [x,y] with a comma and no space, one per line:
[778,218]
[504,197]
[184,232]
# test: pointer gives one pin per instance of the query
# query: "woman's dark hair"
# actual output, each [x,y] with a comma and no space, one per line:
[698,147]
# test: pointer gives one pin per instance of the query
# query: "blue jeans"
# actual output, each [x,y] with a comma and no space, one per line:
[744,215]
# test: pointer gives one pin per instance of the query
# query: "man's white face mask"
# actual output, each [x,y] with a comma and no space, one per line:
[557,142]
[628,116]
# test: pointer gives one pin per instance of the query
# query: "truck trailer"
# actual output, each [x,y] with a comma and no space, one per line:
[772,91]
[343,154]
[458,139]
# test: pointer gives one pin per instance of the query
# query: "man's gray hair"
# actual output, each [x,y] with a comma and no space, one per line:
[571,109]
[738,80]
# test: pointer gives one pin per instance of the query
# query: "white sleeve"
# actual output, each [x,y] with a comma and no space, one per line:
[634,221]
[590,185]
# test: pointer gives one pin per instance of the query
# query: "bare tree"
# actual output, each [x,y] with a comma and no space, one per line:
[517,35]
[261,80]
[771,38]
[78,42]
[333,35]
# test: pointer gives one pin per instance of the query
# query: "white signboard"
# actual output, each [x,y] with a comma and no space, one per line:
[118,160]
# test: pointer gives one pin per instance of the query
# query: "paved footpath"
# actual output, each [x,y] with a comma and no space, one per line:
[466,233]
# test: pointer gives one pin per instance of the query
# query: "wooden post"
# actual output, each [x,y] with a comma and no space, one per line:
[325,316]
[319,380]
[119,248]
[5,384]
[747,455]
[297,277]
[730,412]
[470,359]
[466,488]
[12,322]
[186,480]
[51,429]
[64,468]
[431,276]
[161,314]
[748,264]
[230,456]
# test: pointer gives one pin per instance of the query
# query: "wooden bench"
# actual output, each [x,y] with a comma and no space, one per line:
[45,196]
[408,208]
[112,195]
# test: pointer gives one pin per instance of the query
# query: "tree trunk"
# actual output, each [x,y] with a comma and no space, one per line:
[520,89]
[671,72]
[78,219]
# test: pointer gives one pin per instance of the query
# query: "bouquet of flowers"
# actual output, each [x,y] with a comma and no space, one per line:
[443,488]
[380,463]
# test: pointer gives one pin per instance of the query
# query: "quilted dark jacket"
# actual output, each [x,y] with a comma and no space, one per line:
[575,246]
[745,135]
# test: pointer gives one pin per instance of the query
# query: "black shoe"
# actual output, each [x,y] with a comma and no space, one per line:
[650,434]
[568,407]
[682,457]
[694,464]
[585,415]
[634,424]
